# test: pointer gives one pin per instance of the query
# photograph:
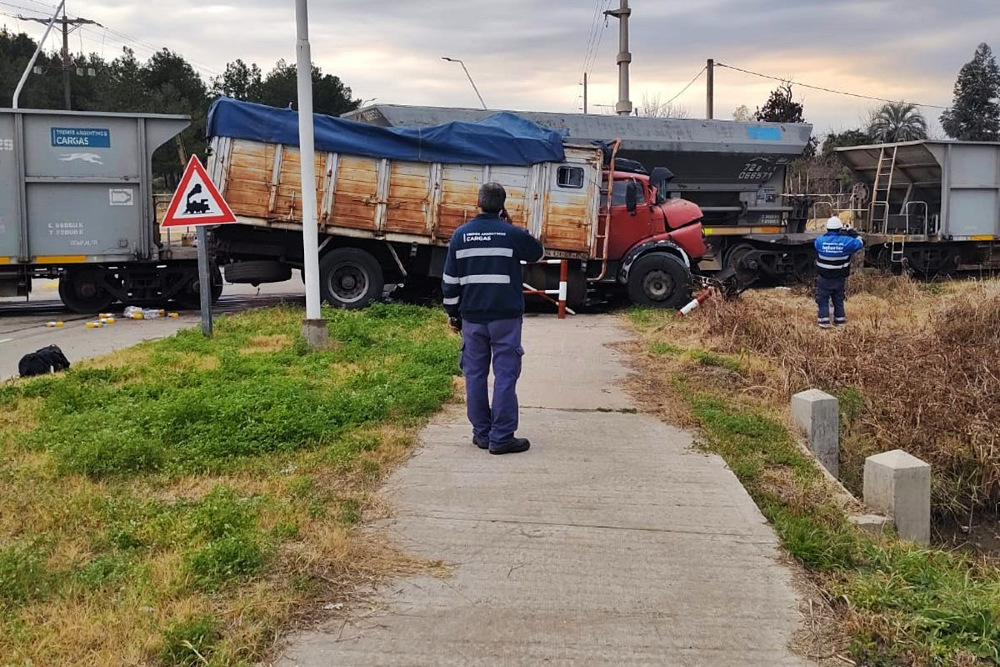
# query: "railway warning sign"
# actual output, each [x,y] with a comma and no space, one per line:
[197,201]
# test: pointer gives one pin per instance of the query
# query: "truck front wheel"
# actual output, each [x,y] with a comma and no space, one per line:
[350,278]
[659,280]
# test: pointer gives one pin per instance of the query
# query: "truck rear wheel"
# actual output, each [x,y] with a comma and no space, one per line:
[189,297]
[350,278]
[659,280]
[83,290]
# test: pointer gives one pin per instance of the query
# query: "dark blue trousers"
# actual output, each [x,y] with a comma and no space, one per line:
[827,290]
[499,342]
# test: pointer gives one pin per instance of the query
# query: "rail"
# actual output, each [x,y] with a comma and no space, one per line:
[561,293]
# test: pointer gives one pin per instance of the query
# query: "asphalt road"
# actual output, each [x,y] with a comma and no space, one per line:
[23,330]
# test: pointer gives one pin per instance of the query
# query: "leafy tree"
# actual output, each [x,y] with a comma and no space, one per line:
[780,107]
[240,81]
[742,114]
[845,138]
[897,121]
[975,112]
[330,95]
[43,91]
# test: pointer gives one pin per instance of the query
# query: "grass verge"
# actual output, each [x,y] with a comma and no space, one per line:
[895,603]
[179,502]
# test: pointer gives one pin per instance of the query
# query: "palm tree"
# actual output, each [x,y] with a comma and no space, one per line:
[897,121]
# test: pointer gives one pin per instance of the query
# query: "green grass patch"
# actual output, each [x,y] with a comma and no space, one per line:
[660,349]
[706,358]
[190,641]
[204,480]
[200,405]
[917,606]
[23,575]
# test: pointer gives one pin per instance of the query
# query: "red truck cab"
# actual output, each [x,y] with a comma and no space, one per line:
[653,242]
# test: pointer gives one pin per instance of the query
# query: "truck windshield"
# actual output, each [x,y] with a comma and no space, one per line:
[618,197]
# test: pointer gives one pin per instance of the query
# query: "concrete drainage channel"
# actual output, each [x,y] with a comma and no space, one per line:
[897,485]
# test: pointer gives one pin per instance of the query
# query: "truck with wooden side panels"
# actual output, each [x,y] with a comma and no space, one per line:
[76,204]
[389,200]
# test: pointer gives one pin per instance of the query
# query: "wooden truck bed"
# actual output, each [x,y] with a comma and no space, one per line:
[413,202]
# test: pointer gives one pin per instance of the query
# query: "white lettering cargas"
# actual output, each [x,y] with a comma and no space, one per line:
[6,144]
[481,237]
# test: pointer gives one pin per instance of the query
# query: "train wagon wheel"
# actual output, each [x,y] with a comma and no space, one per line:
[85,291]
[189,298]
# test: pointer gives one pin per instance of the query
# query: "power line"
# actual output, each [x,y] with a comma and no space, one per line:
[827,90]
[600,37]
[690,83]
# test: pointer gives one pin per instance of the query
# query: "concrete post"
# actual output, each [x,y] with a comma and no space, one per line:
[818,414]
[899,485]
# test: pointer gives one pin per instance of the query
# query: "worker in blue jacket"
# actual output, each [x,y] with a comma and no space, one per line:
[833,266]
[484,298]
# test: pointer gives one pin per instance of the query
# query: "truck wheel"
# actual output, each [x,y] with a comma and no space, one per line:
[350,278]
[83,291]
[659,280]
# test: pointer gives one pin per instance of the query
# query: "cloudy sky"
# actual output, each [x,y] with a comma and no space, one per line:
[530,54]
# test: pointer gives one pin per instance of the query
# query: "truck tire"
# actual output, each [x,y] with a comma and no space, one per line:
[659,280]
[83,291]
[350,278]
[258,271]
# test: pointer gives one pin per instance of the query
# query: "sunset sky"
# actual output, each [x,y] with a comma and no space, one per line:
[530,54]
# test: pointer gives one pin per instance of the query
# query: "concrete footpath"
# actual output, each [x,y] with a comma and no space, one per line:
[609,543]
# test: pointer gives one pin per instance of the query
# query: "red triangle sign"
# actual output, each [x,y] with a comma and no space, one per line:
[197,201]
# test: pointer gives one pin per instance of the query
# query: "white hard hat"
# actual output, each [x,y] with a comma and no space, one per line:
[834,223]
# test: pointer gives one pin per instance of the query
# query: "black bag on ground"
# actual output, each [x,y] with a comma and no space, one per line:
[46,360]
[31,364]
[54,357]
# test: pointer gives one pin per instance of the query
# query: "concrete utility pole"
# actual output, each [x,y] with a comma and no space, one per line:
[710,91]
[314,327]
[67,62]
[34,56]
[624,106]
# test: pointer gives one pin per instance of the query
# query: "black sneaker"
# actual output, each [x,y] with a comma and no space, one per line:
[514,446]
[482,444]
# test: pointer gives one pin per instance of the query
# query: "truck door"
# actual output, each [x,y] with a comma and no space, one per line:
[628,228]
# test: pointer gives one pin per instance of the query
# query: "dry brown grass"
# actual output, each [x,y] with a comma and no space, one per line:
[259,344]
[924,366]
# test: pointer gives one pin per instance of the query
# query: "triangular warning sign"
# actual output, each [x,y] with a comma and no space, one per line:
[197,201]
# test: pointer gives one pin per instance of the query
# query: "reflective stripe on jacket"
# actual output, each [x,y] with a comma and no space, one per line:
[482,278]
[833,254]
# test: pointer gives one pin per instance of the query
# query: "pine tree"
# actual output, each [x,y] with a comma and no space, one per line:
[975,113]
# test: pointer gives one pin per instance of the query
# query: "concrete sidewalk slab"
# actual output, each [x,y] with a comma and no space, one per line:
[610,542]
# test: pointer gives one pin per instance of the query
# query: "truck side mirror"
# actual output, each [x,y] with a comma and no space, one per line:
[632,196]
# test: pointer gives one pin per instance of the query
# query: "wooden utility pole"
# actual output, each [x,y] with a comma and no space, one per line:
[585,93]
[710,91]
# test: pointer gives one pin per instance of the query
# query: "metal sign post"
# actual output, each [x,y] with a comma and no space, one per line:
[204,281]
[197,202]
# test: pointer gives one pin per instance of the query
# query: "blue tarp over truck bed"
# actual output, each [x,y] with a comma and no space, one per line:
[501,139]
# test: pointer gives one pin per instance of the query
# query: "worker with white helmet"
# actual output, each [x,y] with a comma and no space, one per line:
[833,266]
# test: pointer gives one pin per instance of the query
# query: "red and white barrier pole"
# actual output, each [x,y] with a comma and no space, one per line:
[697,301]
[563,287]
